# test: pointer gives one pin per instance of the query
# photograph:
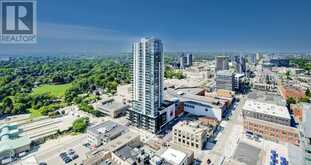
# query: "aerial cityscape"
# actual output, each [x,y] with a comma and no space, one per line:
[97,91]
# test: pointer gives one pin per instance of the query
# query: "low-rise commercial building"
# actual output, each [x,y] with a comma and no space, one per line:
[194,101]
[269,121]
[290,91]
[264,86]
[191,135]
[104,133]
[104,153]
[271,131]
[177,156]
[111,107]
[11,143]
[130,154]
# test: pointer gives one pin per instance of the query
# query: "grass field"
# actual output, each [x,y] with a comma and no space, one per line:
[54,90]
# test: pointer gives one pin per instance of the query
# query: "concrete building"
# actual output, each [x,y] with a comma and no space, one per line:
[11,143]
[296,155]
[267,112]
[185,60]
[267,97]
[238,83]
[191,135]
[111,107]
[147,82]
[104,133]
[240,64]
[191,100]
[252,58]
[222,63]
[137,153]
[177,156]
[265,81]
[130,154]
[203,108]
[189,59]
[103,154]
[306,134]
[224,80]
[182,61]
[269,121]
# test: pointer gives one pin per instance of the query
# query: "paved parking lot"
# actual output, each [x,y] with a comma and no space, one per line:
[49,151]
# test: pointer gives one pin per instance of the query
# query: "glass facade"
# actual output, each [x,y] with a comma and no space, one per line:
[147,81]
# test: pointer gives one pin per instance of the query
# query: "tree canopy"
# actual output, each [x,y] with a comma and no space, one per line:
[80,125]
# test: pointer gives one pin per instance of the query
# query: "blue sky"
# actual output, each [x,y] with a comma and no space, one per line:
[105,26]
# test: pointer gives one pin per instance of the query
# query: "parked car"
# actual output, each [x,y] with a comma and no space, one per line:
[67,160]
[65,157]
[62,154]
[71,151]
[75,156]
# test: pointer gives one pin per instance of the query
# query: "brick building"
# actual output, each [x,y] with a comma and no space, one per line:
[269,121]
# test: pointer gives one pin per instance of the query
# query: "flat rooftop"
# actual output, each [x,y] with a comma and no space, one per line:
[110,105]
[174,156]
[130,152]
[267,97]
[183,96]
[108,128]
[266,108]
[247,154]
[224,72]
[191,127]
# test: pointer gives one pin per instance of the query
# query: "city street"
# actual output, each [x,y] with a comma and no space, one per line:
[228,138]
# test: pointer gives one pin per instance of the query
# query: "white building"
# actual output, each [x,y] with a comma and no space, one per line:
[105,132]
[203,109]
[237,83]
[175,157]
